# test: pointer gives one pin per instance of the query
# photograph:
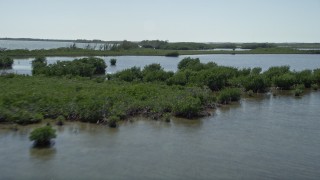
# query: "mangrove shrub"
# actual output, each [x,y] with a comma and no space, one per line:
[6,62]
[85,67]
[284,81]
[188,107]
[113,62]
[229,94]
[43,135]
[172,54]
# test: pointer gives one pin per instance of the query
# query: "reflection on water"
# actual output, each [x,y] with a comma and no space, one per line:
[267,137]
[43,154]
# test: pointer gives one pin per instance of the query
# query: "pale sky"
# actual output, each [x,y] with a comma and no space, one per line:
[173,20]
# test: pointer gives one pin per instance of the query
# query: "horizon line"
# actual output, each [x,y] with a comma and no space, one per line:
[71,40]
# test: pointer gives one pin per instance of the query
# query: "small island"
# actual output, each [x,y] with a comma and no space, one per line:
[79,90]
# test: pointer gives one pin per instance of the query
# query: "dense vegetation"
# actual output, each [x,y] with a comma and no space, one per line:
[42,136]
[5,62]
[56,92]
[30,99]
[156,44]
[257,45]
[143,52]
[113,62]
[85,67]
[172,54]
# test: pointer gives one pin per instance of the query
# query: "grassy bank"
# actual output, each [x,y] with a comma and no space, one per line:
[144,52]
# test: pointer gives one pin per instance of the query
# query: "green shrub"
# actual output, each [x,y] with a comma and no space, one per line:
[316,75]
[8,75]
[172,54]
[256,83]
[284,81]
[113,121]
[179,78]
[257,45]
[229,94]
[305,77]
[215,78]
[100,79]
[60,119]
[250,93]
[167,117]
[113,62]
[128,75]
[154,72]
[298,90]
[23,117]
[6,62]
[85,67]
[42,136]
[256,71]
[276,71]
[187,107]
[188,63]
[156,76]
[244,71]
[315,87]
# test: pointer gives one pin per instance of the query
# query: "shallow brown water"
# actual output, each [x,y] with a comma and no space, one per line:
[259,138]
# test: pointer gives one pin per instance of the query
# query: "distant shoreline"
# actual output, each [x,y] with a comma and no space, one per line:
[142,52]
[158,48]
[59,40]
[281,44]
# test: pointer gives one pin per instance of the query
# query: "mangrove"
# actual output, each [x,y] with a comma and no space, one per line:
[80,90]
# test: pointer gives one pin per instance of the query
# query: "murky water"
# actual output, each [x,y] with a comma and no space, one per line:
[295,61]
[259,138]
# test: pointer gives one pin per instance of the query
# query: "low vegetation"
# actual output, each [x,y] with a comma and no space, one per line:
[79,90]
[298,90]
[257,45]
[29,99]
[172,54]
[113,62]
[5,62]
[42,136]
[155,49]
[85,67]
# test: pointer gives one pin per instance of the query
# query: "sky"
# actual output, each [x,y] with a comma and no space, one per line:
[172,20]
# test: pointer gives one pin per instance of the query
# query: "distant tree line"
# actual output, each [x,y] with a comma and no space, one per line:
[157,44]
[257,45]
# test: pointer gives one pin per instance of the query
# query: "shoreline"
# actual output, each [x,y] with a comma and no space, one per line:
[24,53]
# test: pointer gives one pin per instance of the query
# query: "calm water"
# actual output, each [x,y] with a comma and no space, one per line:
[296,62]
[264,138]
[31,45]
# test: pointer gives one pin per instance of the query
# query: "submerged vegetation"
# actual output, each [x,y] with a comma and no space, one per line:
[79,90]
